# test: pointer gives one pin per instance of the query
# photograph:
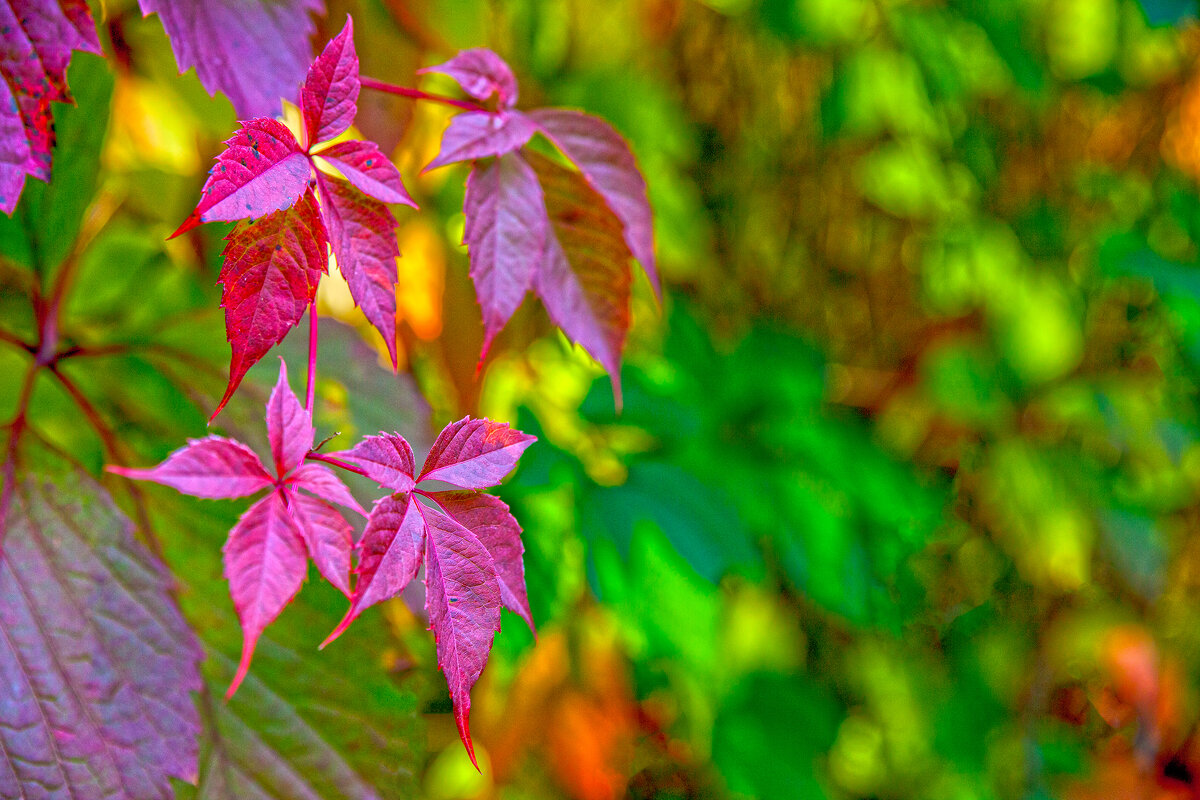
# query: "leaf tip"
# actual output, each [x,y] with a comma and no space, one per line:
[462,717]
[340,629]
[192,221]
[243,667]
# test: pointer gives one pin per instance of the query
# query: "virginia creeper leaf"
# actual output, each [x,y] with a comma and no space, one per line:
[321,481]
[255,51]
[261,170]
[387,459]
[289,425]
[329,97]
[97,666]
[474,453]
[212,467]
[369,170]
[462,596]
[328,537]
[265,565]
[489,519]
[364,243]
[506,228]
[36,40]
[390,554]
[584,278]
[479,134]
[481,73]
[269,278]
[605,159]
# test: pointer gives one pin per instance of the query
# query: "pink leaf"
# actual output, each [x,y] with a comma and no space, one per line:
[606,161]
[462,596]
[505,234]
[362,231]
[321,482]
[213,468]
[480,73]
[255,51]
[489,519]
[265,565]
[262,170]
[289,426]
[475,453]
[36,40]
[387,459]
[369,170]
[269,278]
[479,134]
[328,537]
[584,278]
[329,97]
[390,555]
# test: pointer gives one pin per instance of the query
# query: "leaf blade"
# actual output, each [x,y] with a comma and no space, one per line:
[474,453]
[479,134]
[480,73]
[369,170]
[212,468]
[329,96]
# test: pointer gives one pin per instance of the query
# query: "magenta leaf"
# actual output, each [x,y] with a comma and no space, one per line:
[97,666]
[329,97]
[265,565]
[369,170]
[479,134]
[390,555]
[364,243]
[321,482]
[255,51]
[270,277]
[261,170]
[462,596]
[481,73]
[506,227]
[387,459]
[605,159]
[489,519]
[36,40]
[212,468]
[475,453]
[327,535]
[289,425]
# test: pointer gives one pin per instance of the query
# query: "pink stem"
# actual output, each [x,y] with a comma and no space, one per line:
[312,356]
[417,94]
[337,462]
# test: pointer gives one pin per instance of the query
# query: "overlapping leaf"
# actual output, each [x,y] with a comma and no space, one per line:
[558,242]
[36,40]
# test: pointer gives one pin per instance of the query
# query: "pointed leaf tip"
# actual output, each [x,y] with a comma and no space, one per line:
[329,97]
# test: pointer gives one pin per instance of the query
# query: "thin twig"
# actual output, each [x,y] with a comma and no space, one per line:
[311,391]
[337,462]
[417,94]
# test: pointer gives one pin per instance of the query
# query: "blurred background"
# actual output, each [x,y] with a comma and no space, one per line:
[904,501]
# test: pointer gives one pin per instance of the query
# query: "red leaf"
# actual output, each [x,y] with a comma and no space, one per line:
[270,277]
[364,243]
[462,596]
[329,97]
[391,550]
[475,453]
[479,134]
[505,234]
[489,519]
[321,481]
[212,467]
[36,40]
[480,73]
[606,161]
[255,51]
[369,170]
[265,565]
[584,278]
[289,426]
[262,170]
[328,537]
[387,459]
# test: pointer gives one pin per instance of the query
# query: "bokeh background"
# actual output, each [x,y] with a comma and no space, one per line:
[904,500]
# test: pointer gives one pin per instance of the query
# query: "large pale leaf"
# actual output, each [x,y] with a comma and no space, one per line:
[97,667]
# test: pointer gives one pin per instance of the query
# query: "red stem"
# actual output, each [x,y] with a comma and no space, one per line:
[312,357]
[417,94]
[337,462]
